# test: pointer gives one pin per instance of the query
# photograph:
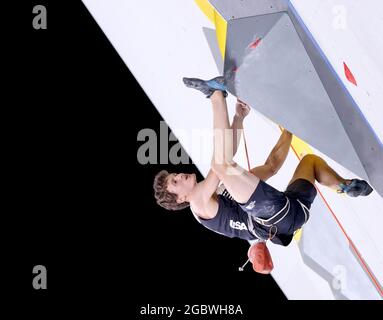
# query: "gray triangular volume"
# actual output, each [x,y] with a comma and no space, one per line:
[211,38]
[288,79]
[278,79]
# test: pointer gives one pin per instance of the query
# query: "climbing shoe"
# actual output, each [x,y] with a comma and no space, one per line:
[356,188]
[207,87]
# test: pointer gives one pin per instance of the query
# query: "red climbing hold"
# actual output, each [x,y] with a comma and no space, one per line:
[255,43]
[350,77]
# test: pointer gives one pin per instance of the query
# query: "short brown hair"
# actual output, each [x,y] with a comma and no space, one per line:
[164,198]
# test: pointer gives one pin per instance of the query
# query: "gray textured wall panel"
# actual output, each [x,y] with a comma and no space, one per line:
[278,79]
[234,9]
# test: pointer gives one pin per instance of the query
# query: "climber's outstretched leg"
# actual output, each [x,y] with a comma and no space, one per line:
[313,168]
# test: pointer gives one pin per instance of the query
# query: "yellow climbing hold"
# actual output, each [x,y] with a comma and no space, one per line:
[297,235]
[300,147]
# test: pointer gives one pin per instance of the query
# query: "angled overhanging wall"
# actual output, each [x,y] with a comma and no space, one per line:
[273,63]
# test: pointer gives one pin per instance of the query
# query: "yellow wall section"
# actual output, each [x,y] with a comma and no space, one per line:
[220,30]
[206,8]
[219,22]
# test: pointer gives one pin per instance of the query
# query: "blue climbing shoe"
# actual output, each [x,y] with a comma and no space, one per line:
[356,188]
[207,87]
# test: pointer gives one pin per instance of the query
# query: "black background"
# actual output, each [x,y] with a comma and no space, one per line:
[81,203]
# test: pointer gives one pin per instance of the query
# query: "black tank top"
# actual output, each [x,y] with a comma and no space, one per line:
[232,221]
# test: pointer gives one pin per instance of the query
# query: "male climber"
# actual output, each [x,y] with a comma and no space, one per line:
[249,208]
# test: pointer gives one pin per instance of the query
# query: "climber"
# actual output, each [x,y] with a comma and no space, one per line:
[246,206]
